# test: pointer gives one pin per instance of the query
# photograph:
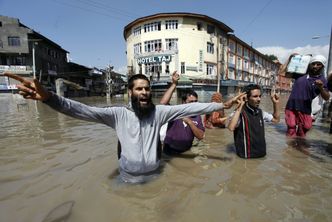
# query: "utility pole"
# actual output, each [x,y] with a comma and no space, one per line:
[34,43]
[109,81]
[33,60]
[221,70]
[218,64]
[329,63]
[329,71]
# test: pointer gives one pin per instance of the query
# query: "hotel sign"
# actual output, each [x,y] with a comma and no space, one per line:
[154,59]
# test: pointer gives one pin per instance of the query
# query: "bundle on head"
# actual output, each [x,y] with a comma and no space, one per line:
[216,97]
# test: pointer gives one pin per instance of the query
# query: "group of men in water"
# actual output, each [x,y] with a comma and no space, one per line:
[138,124]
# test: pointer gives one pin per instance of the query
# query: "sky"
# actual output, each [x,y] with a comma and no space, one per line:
[92,30]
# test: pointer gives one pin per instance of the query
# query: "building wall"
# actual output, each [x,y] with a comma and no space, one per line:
[50,59]
[10,28]
[191,47]
[232,58]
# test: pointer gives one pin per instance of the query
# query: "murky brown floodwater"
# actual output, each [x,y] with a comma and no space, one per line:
[48,159]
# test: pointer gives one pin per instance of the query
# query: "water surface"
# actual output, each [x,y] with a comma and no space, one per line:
[47,158]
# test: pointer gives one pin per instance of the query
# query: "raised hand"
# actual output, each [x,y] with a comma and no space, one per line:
[175,77]
[241,101]
[234,100]
[275,97]
[319,83]
[30,89]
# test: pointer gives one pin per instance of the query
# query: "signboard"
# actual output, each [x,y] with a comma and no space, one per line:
[200,61]
[12,68]
[154,59]
[191,68]
[299,64]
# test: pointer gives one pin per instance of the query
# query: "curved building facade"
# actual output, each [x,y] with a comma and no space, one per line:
[199,47]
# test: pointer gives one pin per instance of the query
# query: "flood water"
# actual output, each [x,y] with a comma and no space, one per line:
[47,159]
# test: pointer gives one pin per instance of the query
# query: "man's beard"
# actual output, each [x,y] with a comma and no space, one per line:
[142,111]
[316,72]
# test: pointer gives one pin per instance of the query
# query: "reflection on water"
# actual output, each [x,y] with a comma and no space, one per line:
[48,159]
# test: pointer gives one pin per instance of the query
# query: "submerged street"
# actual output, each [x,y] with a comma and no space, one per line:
[48,159]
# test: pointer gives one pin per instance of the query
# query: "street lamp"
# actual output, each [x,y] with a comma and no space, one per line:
[34,43]
[318,36]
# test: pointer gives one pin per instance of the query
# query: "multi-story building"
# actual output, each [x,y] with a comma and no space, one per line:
[26,52]
[199,47]
[283,84]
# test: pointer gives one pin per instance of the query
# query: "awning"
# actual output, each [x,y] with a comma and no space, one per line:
[184,81]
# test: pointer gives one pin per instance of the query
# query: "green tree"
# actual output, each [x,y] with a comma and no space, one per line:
[272,57]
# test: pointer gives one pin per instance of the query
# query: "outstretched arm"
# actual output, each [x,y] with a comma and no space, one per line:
[30,89]
[34,90]
[168,94]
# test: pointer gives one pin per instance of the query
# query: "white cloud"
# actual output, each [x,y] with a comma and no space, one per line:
[283,53]
[121,70]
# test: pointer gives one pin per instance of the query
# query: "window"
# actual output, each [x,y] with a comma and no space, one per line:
[246,65]
[246,53]
[171,44]
[239,75]
[138,48]
[154,26]
[232,47]
[209,69]
[231,59]
[140,68]
[210,29]
[14,41]
[18,61]
[239,50]
[167,69]
[0,24]
[171,24]
[182,68]
[231,73]
[152,70]
[153,45]
[210,48]
[137,31]
[199,26]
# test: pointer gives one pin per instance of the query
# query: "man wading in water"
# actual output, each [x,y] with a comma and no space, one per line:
[137,125]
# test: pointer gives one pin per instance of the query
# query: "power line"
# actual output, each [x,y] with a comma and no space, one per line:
[89,10]
[258,14]
[105,6]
